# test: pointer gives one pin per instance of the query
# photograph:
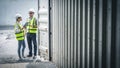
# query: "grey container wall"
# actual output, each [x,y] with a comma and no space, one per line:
[86,33]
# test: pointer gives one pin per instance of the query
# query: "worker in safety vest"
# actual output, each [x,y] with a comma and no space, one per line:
[19,33]
[31,26]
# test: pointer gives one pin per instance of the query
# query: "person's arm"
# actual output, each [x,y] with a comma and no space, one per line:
[17,30]
[25,25]
[25,28]
[35,23]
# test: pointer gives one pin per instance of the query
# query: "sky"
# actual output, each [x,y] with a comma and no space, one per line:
[9,8]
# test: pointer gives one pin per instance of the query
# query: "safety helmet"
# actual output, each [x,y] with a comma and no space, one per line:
[31,10]
[18,15]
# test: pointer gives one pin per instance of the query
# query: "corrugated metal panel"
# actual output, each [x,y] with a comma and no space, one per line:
[86,33]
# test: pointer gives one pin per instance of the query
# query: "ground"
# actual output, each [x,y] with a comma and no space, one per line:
[9,56]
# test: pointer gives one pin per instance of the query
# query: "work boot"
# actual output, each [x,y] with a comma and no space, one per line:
[24,57]
[29,55]
[34,57]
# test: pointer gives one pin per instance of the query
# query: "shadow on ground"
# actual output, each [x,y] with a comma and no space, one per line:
[9,60]
[41,65]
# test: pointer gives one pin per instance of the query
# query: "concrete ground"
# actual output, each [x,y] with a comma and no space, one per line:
[9,56]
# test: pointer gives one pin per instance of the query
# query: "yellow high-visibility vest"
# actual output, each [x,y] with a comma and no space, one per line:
[31,27]
[19,35]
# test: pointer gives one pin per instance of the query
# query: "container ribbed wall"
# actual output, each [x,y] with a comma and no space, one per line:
[86,33]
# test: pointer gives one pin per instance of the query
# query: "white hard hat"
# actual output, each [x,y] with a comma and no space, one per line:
[31,10]
[18,15]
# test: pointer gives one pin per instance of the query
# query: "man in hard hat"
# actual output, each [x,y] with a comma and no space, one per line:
[19,32]
[31,26]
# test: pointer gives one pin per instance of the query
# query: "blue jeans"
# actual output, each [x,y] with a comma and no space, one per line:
[31,37]
[21,44]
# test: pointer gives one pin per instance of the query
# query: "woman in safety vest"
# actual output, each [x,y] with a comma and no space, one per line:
[19,32]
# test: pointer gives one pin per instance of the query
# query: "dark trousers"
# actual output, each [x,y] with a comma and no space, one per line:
[31,38]
[21,44]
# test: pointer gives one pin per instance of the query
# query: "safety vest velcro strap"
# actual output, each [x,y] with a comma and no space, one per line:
[32,29]
[20,37]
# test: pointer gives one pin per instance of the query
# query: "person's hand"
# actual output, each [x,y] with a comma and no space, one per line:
[24,27]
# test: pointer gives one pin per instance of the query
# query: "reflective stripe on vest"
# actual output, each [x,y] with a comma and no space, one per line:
[30,27]
[20,35]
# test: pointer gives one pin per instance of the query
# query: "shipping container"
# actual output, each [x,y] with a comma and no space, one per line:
[85,33]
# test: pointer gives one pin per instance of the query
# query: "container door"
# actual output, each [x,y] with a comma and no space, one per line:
[43,29]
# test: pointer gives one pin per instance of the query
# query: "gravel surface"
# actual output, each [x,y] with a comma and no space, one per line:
[8,47]
[9,57]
